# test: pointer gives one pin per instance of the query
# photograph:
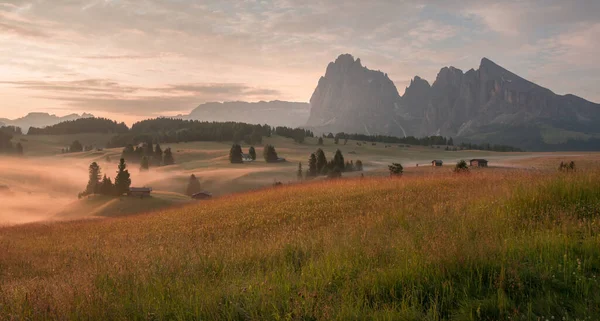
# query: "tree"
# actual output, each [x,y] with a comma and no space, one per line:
[312,166]
[256,137]
[94,179]
[76,147]
[320,143]
[235,154]
[145,164]
[358,166]
[168,157]
[338,161]
[450,141]
[193,186]
[107,187]
[336,140]
[299,172]
[461,167]
[321,160]
[252,153]
[19,148]
[270,154]
[123,179]
[158,155]
[395,169]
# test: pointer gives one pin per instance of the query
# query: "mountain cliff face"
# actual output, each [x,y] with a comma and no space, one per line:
[488,104]
[351,98]
[40,120]
[276,113]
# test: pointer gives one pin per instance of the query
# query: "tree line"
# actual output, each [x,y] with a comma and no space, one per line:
[80,126]
[236,155]
[6,145]
[319,165]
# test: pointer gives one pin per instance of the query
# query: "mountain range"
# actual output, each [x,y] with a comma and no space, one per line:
[40,120]
[274,113]
[490,104]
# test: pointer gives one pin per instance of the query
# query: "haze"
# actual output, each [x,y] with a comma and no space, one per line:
[135,59]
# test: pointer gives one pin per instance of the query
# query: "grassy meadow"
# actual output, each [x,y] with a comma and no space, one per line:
[491,245]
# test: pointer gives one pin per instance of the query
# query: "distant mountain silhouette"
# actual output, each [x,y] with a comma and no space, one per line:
[490,104]
[40,120]
[275,113]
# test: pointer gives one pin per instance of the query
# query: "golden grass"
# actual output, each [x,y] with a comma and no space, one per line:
[489,245]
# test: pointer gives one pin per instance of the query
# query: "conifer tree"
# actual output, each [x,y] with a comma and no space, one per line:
[145,164]
[321,161]
[123,179]
[168,157]
[270,154]
[338,161]
[193,186]
[299,172]
[395,169]
[252,153]
[107,187]
[235,154]
[158,155]
[312,165]
[358,166]
[94,179]
[76,147]
[320,143]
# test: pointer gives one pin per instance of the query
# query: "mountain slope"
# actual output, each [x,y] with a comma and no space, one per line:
[40,120]
[276,113]
[490,103]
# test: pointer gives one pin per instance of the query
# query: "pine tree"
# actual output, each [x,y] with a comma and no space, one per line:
[299,172]
[123,179]
[76,147]
[94,179]
[321,161]
[256,137]
[168,157]
[107,187]
[338,161]
[270,154]
[193,186]
[145,164]
[235,154]
[358,166]
[252,153]
[320,143]
[158,155]
[312,165]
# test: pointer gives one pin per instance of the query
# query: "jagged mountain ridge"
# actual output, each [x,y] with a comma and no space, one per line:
[40,120]
[489,103]
[276,113]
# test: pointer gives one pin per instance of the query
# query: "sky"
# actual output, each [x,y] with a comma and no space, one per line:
[134,59]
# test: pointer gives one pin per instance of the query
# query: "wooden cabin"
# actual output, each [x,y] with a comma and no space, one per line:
[478,162]
[140,192]
[437,162]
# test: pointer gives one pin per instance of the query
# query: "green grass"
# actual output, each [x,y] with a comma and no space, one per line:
[484,246]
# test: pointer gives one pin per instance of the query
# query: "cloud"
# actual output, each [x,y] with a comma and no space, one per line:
[109,96]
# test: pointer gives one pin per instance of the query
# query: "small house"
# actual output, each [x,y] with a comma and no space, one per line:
[247,158]
[202,196]
[436,162]
[140,192]
[281,160]
[478,162]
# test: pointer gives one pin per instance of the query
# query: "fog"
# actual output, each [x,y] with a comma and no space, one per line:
[38,188]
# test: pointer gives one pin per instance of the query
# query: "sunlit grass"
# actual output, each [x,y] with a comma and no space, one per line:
[487,245]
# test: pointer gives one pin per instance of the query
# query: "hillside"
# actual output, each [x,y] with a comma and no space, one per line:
[40,120]
[489,104]
[274,113]
[520,246]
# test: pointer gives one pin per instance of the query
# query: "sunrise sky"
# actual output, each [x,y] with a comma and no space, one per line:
[130,59]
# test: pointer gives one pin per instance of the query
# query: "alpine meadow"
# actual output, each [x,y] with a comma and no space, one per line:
[299,160]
